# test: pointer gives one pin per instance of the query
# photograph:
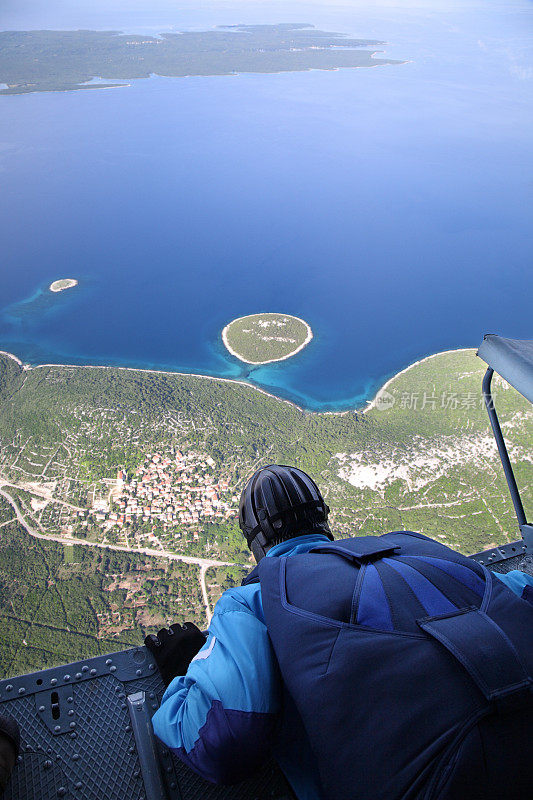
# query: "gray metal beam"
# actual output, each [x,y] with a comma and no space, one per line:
[141,725]
[525,529]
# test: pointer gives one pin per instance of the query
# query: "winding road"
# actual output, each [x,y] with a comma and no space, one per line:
[203,563]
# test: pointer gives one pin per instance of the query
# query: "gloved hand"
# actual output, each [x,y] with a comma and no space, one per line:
[174,648]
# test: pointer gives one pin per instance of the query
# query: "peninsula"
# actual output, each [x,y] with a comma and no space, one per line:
[263,338]
[62,284]
[47,61]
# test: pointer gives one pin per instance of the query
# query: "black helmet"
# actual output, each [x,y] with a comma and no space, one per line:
[277,503]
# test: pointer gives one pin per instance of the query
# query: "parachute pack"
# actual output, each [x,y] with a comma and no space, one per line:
[410,666]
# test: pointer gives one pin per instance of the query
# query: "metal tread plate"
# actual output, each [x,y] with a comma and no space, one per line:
[86,734]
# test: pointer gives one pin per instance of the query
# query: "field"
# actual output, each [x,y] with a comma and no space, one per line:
[98,464]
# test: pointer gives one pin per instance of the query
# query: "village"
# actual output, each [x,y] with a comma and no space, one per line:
[174,489]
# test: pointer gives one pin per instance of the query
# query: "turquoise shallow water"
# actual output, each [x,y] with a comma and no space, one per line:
[389,207]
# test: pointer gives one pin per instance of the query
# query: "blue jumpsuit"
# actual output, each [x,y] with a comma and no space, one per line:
[226,713]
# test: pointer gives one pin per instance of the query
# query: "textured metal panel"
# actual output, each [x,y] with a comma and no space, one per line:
[125,665]
[93,755]
[40,777]
[55,708]
[524,563]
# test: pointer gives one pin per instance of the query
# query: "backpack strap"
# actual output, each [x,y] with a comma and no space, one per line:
[527,594]
[252,577]
[361,549]
[484,651]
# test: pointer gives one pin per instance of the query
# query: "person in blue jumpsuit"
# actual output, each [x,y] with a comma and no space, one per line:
[225,707]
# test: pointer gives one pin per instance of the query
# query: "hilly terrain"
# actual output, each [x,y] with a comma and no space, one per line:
[119,487]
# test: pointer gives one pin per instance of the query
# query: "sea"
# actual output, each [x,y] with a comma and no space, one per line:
[391,208]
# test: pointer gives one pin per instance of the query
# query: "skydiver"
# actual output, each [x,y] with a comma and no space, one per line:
[314,660]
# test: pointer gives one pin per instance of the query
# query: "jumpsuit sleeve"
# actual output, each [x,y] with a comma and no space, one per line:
[219,718]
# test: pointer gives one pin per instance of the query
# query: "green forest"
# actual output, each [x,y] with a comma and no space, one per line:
[258,338]
[63,602]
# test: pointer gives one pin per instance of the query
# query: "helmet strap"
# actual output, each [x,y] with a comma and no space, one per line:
[259,546]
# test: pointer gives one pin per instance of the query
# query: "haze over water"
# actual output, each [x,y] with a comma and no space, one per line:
[389,207]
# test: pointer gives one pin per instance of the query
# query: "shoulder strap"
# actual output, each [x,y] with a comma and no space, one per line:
[484,651]
[252,577]
[361,549]
[527,594]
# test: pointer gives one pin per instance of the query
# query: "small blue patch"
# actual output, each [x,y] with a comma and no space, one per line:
[428,595]
[374,610]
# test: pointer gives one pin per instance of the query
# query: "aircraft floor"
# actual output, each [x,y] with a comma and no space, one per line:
[86,733]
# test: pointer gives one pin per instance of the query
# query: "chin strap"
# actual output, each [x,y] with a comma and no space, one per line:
[259,546]
[267,528]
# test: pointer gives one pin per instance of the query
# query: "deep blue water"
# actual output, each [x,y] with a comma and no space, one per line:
[389,207]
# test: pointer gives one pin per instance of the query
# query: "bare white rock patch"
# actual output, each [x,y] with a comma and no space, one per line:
[426,463]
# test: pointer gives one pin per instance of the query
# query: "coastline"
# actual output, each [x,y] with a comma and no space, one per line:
[14,357]
[233,352]
[88,85]
[370,404]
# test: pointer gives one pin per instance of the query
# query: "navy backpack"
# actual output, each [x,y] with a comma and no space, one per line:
[410,666]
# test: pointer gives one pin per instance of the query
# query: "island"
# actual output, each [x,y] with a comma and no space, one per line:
[62,284]
[45,61]
[267,337]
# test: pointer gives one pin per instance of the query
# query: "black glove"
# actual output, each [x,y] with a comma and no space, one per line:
[174,648]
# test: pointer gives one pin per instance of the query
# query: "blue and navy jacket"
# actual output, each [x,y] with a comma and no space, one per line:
[230,710]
